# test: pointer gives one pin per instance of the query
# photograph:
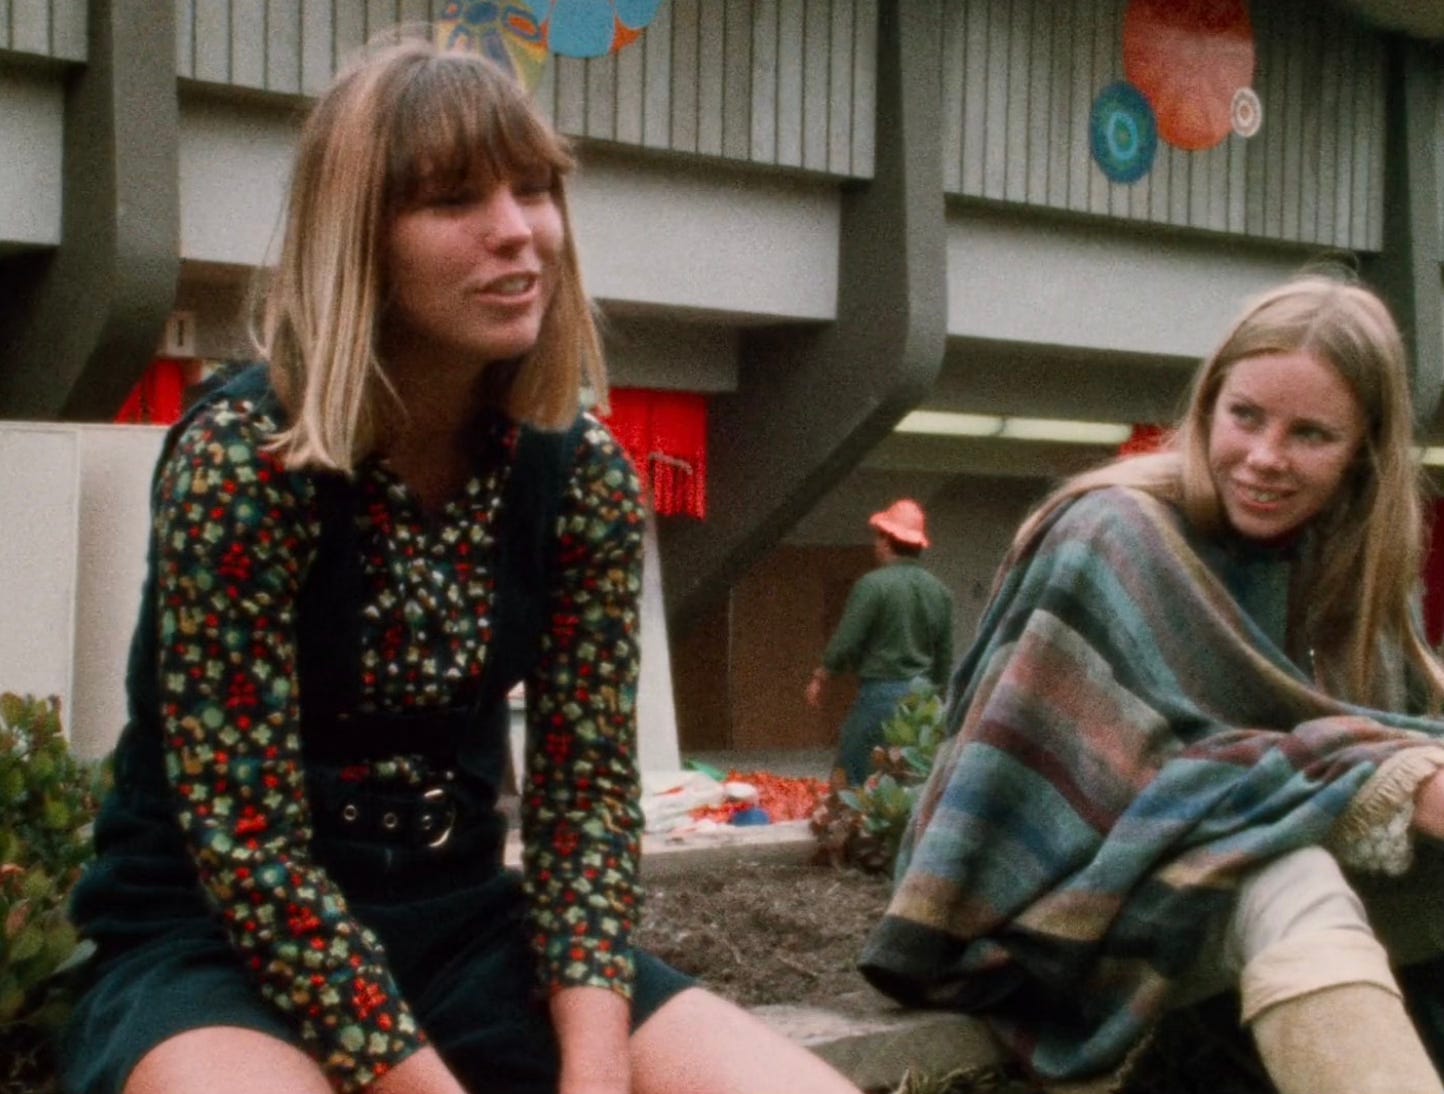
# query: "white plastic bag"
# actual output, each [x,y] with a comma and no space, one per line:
[668,797]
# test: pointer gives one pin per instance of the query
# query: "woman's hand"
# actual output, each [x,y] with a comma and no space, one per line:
[1429,806]
[593,1028]
[813,694]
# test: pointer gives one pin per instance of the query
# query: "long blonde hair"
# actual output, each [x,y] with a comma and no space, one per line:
[1353,600]
[405,116]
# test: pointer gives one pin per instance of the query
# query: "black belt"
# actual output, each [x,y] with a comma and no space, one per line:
[421,816]
[460,754]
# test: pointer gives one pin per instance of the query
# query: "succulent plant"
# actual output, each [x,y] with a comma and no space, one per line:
[49,798]
[864,825]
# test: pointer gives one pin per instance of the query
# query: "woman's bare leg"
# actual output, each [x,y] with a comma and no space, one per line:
[698,1043]
[226,1060]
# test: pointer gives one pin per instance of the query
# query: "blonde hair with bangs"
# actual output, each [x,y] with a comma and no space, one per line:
[1352,603]
[405,118]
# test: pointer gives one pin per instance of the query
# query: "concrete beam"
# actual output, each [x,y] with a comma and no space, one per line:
[80,324]
[1406,271]
[811,402]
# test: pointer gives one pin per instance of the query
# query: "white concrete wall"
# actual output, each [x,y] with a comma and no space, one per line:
[74,508]
[656,710]
[114,528]
[1090,286]
[235,162]
[39,501]
[32,125]
[707,238]
[72,559]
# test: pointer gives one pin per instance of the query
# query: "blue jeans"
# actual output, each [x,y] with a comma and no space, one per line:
[877,701]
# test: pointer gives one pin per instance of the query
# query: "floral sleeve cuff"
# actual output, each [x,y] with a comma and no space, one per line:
[1374,834]
[358,1057]
[583,912]
[589,962]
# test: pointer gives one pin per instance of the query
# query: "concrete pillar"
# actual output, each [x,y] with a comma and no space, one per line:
[1406,270]
[811,402]
[79,325]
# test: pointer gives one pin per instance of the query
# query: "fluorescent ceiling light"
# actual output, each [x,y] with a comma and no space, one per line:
[1059,430]
[1432,457]
[942,424]
[1071,432]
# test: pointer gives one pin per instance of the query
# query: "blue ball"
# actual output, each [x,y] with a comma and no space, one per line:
[748,818]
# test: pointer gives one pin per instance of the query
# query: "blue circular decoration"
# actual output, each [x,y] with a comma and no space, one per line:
[636,14]
[1123,133]
[581,28]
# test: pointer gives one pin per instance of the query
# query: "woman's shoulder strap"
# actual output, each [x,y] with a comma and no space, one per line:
[533,497]
[251,382]
[527,547]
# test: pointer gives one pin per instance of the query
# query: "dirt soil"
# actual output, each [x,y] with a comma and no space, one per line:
[778,933]
[768,932]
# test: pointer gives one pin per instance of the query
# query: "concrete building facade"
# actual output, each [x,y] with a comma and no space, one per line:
[821,214]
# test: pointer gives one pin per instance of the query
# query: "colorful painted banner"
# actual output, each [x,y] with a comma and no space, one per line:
[1189,58]
[508,33]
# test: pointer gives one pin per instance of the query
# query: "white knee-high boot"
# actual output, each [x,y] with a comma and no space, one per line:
[1328,1018]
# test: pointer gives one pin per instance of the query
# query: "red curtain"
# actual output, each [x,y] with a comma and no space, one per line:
[1434,576]
[1145,438]
[159,397]
[665,434]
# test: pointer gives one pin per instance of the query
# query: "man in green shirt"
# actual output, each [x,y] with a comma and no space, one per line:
[897,629]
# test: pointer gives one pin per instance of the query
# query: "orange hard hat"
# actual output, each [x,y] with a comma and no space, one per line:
[904,521]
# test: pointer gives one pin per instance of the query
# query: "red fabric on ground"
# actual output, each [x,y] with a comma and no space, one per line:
[783,798]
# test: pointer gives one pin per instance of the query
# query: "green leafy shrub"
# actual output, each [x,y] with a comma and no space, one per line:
[49,798]
[864,825]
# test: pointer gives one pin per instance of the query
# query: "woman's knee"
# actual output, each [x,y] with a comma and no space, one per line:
[226,1060]
[699,1043]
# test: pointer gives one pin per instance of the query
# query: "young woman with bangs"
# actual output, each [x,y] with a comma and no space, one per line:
[358,548]
[1196,743]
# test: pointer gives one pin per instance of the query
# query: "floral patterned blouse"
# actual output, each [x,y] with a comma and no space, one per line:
[236,536]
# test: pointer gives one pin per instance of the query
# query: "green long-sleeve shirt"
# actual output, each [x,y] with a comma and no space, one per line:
[897,625]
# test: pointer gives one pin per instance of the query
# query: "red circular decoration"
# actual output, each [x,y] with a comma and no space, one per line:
[1189,57]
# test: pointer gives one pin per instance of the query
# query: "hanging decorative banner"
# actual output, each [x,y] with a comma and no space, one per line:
[665,434]
[1145,438]
[1433,606]
[507,33]
[1189,58]
[594,28]
[159,397]
[1123,133]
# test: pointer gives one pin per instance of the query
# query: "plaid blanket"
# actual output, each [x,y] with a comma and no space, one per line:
[1129,739]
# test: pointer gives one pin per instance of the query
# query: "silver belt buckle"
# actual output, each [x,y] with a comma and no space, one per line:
[438,796]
